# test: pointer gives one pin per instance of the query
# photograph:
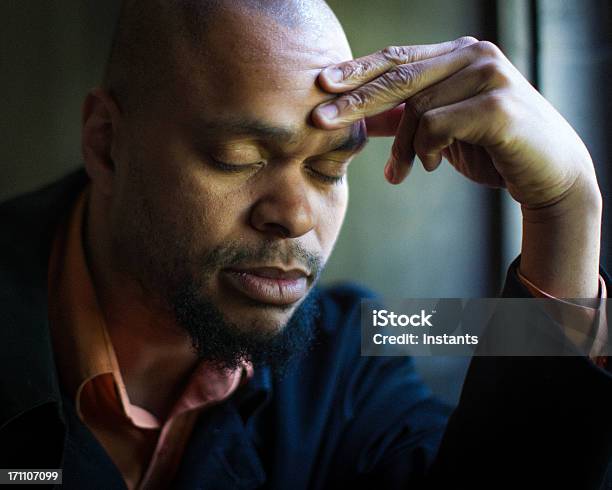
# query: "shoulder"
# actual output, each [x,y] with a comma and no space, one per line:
[30,219]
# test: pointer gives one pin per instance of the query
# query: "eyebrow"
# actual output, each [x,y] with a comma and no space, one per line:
[351,143]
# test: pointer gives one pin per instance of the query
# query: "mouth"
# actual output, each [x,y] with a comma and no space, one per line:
[270,285]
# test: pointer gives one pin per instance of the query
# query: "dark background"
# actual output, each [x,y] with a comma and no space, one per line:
[436,235]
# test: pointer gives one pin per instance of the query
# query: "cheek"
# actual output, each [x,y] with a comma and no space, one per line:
[332,216]
[182,197]
[177,211]
[205,214]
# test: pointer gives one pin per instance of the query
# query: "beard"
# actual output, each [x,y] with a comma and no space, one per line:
[226,345]
[179,282]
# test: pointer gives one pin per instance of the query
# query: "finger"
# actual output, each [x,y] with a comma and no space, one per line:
[385,124]
[475,121]
[397,85]
[466,83]
[351,74]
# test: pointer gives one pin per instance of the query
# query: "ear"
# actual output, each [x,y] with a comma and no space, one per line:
[99,121]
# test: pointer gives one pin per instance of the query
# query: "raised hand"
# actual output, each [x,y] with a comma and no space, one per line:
[465,101]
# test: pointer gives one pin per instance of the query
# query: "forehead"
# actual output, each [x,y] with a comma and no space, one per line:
[252,67]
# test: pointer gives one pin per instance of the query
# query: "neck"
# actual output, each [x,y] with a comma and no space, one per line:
[154,357]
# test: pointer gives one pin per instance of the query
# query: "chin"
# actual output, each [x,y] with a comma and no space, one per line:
[226,329]
[260,317]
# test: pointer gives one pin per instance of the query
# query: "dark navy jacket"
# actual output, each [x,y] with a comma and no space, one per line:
[337,420]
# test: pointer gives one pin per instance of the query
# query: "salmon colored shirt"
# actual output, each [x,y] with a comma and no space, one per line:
[147,451]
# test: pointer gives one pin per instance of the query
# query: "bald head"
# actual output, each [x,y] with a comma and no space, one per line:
[154,38]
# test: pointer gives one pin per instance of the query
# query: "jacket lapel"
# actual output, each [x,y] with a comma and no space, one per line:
[29,223]
[221,452]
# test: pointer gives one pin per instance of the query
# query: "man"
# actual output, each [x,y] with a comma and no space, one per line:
[186,345]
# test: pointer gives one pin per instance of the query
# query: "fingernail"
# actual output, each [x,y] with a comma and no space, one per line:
[329,111]
[333,74]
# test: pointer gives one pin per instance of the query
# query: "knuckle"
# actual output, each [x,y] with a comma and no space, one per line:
[495,73]
[403,75]
[466,41]
[347,70]
[418,104]
[353,70]
[429,122]
[498,104]
[355,101]
[487,48]
[395,54]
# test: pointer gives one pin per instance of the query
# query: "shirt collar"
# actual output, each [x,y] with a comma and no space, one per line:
[82,344]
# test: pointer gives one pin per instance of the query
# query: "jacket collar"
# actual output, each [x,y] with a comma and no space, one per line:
[29,222]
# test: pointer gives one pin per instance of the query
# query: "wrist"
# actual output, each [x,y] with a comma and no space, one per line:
[581,201]
[560,249]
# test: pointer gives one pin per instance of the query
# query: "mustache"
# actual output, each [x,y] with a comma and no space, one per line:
[237,254]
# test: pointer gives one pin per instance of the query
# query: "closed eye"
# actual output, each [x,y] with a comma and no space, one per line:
[327,179]
[234,167]
[329,170]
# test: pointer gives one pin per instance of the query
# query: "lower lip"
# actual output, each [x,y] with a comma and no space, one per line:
[266,289]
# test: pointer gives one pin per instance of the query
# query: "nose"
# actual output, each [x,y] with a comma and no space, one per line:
[285,208]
